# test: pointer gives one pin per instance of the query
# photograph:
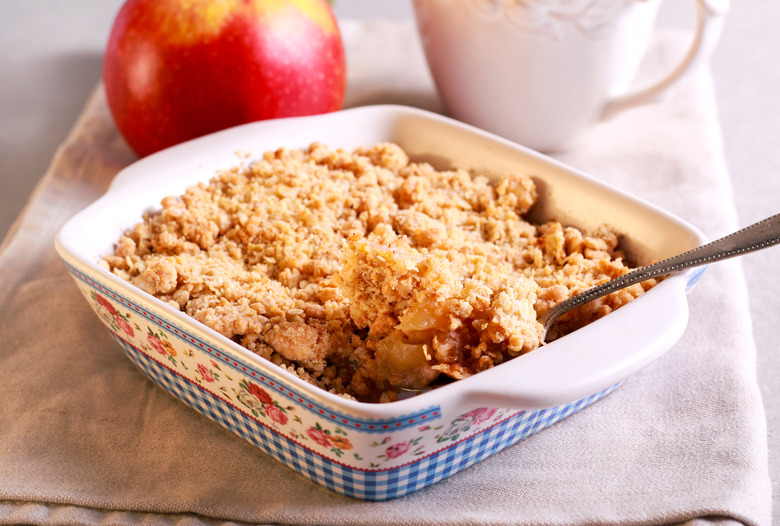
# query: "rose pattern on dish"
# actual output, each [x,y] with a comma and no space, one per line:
[467,421]
[334,440]
[260,403]
[552,19]
[158,341]
[118,322]
[358,456]
[284,414]
[397,449]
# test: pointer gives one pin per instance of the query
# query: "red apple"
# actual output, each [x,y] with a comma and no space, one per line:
[178,69]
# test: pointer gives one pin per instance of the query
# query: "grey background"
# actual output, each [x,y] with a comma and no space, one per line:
[50,59]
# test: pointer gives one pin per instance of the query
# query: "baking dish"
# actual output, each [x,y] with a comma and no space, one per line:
[380,451]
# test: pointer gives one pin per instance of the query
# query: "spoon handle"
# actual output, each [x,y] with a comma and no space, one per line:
[754,237]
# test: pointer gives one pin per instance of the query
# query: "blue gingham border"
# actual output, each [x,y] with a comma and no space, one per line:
[377,484]
[274,384]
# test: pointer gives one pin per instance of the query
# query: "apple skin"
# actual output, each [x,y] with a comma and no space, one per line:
[174,70]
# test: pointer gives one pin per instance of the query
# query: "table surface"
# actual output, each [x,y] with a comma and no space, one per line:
[50,60]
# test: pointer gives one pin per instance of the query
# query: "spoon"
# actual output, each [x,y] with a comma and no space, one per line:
[754,237]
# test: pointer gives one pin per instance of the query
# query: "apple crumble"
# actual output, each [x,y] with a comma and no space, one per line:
[365,273]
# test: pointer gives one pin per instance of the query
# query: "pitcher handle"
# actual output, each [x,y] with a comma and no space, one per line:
[710,15]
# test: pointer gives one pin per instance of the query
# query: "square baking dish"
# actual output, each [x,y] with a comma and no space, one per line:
[381,451]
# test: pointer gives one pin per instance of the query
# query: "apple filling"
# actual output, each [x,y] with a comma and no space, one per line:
[436,311]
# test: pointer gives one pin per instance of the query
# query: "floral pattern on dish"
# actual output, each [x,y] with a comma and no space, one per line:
[466,422]
[276,407]
[113,318]
[261,404]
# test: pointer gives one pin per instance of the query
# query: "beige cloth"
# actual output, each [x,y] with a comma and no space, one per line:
[86,439]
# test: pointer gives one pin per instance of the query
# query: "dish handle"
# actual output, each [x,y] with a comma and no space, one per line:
[564,371]
[710,17]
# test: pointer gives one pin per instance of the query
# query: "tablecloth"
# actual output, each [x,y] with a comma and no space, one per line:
[86,439]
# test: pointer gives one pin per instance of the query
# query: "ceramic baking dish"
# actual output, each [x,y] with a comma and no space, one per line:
[380,451]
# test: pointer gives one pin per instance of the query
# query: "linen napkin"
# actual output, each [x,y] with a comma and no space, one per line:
[86,439]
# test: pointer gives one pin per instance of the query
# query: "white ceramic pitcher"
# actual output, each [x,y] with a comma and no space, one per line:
[543,72]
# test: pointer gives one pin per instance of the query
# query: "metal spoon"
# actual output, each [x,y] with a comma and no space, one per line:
[755,237]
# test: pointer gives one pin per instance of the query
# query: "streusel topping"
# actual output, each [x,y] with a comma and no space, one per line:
[363,272]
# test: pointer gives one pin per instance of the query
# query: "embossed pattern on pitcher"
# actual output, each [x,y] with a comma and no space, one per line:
[552,19]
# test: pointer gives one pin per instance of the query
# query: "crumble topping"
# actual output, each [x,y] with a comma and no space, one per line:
[363,272]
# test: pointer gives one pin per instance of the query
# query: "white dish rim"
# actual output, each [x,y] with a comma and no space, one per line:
[493,388]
